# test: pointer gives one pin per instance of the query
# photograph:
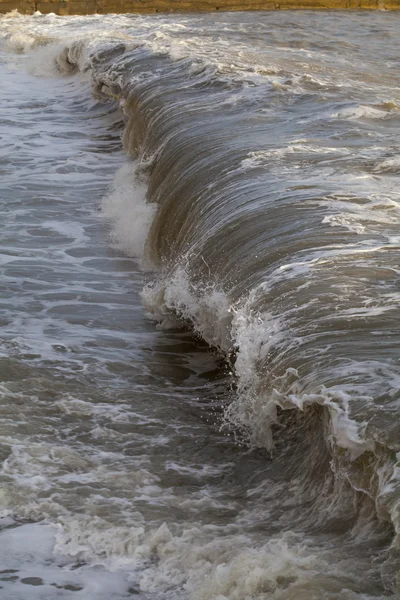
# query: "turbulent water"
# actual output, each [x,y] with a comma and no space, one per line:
[200,339]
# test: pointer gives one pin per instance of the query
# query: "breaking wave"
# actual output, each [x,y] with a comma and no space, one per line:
[276,243]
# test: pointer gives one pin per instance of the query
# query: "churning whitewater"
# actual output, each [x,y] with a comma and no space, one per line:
[237,175]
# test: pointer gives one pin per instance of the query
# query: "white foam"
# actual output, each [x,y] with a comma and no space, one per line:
[379,210]
[254,572]
[255,408]
[261,158]
[361,112]
[37,571]
[129,213]
[389,165]
[42,61]
[205,307]
[254,335]
[347,220]
[206,564]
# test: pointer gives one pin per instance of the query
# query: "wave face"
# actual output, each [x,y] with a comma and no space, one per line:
[262,197]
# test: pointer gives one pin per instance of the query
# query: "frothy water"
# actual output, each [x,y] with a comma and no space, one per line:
[200,303]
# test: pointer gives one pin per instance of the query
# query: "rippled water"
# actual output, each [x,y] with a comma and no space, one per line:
[236,174]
